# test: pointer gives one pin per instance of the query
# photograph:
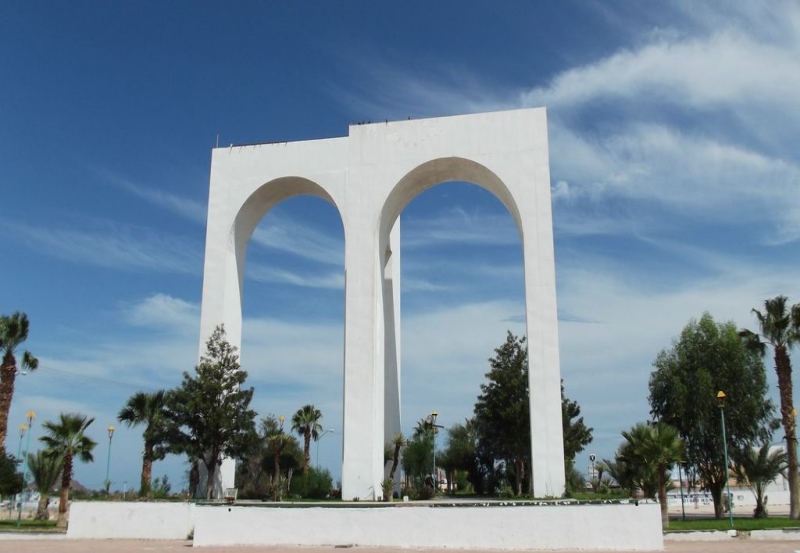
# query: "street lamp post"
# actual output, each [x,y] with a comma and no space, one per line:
[22,428]
[320,438]
[30,416]
[431,421]
[108,459]
[721,400]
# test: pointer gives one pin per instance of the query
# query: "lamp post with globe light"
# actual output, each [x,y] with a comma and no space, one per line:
[721,400]
[30,416]
[108,459]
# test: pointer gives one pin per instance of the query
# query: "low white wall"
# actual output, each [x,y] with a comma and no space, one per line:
[586,527]
[137,520]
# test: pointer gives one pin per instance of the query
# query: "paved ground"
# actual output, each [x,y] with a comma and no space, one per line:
[135,546]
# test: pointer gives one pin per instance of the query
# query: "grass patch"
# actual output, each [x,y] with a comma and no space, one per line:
[28,525]
[739,523]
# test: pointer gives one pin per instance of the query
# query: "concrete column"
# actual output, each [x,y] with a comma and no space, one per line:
[391,317]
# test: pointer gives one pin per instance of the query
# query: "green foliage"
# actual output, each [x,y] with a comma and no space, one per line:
[502,410]
[11,480]
[576,434]
[756,469]
[316,484]
[67,439]
[269,461]
[45,470]
[211,409]
[161,488]
[708,357]
[780,328]
[13,332]
[575,481]
[650,449]
[306,423]
[149,410]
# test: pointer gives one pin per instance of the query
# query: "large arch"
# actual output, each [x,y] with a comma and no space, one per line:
[370,176]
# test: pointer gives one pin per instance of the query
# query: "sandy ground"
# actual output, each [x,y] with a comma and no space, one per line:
[131,546]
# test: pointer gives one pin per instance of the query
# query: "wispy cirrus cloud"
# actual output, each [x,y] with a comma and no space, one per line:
[261,273]
[288,234]
[113,246]
[190,209]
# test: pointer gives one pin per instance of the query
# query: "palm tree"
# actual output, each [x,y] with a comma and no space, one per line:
[398,440]
[780,328]
[756,469]
[655,447]
[13,332]
[45,470]
[151,411]
[306,423]
[67,439]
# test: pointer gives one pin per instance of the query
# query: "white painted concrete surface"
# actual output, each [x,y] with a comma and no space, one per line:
[583,527]
[370,176]
[130,520]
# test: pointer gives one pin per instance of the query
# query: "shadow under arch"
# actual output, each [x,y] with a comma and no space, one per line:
[264,198]
[437,171]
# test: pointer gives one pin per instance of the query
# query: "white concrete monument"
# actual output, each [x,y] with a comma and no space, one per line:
[370,176]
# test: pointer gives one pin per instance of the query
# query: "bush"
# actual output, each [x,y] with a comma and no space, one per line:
[317,484]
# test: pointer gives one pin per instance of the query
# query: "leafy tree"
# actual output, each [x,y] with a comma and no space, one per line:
[622,472]
[779,328]
[67,439]
[706,358]
[756,469]
[576,434]
[161,487]
[576,437]
[502,411]
[306,423]
[461,454]
[654,448]
[150,410]
[11,480]
[13,332]
[45,470]
[211,409]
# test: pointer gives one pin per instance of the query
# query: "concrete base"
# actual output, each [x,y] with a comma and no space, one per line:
[497,527]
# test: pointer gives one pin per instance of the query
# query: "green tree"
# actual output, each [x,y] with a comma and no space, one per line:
[11,480]
[150,410]
[45,470]
[211,409]
[397,445]
[502,411]
[708,357]
[67,439]
[13,332]
[576,436]
[756,469]
[655,448]
[306,423]
[779,328]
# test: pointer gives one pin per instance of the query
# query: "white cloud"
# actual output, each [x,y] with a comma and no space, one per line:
[113,246]
[331,280]
[287,234]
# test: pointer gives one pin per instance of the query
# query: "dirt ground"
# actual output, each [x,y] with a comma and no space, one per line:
[135,546]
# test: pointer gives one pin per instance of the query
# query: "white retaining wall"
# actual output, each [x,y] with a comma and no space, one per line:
[135,520]
[586,527]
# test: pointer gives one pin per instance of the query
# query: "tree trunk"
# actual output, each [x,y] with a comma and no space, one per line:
[783,367]
[716,495]
[147,474]
[276,474]
[63,503]
[306,450]
[210,469]
[662,496]
[41,511]
[520,465]
[395,460]
[8,373]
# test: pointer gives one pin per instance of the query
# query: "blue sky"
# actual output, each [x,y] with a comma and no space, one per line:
[674,166]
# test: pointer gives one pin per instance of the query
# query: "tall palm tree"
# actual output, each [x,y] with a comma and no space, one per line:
[45,470]
[756,469]
[67,438]
[149,410]
[656,447]
[306,423]
[13,332]
[779,327]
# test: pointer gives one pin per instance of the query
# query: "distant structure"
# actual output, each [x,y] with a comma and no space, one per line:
[370,176]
